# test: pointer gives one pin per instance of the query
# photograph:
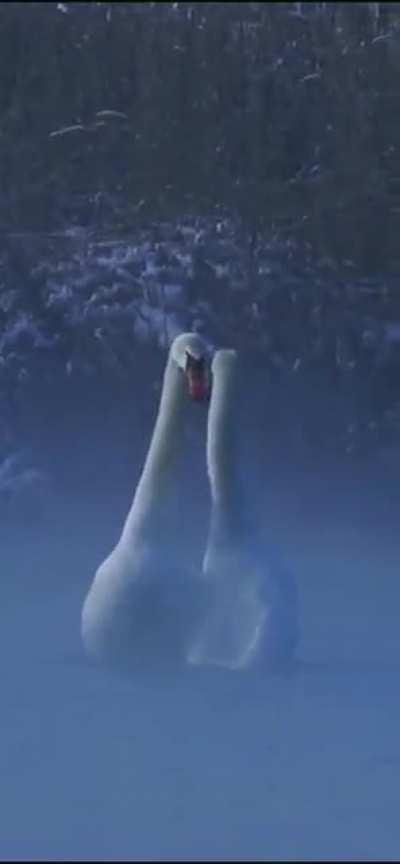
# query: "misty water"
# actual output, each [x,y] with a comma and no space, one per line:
[233,172]
[200,764]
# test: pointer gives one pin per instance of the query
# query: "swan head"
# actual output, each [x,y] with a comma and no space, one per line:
[224,361]
[224,369]
[192,355]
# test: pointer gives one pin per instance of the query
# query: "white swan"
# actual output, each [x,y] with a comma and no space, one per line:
[139,604]
[252,615]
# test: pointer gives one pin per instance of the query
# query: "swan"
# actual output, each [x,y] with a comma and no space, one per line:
[140,603]
[252,611]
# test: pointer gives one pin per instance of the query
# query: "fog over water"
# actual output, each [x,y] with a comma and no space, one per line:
[200,764]
[231,171]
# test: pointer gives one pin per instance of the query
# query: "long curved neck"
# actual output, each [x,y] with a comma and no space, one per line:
[226,499]
[162,455]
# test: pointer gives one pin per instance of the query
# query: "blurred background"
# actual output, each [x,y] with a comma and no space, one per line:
[226,167]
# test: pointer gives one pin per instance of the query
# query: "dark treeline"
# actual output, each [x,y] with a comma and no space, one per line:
[286,114]
[247,154]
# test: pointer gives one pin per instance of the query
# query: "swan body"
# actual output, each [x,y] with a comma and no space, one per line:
[252,614]
[140,598]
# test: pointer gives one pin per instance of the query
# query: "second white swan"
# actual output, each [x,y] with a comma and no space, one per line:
[252,617]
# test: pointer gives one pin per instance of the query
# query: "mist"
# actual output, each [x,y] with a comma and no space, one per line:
[199,764]
[228,169]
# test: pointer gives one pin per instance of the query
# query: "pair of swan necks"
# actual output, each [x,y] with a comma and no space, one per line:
[167,440]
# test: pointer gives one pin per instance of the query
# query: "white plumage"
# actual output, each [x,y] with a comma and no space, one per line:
[144,604]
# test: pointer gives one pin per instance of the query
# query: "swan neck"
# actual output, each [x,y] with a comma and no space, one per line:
[165,445]
[222,460]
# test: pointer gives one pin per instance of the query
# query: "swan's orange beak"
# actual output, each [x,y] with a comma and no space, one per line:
[198,380]
[199,389]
